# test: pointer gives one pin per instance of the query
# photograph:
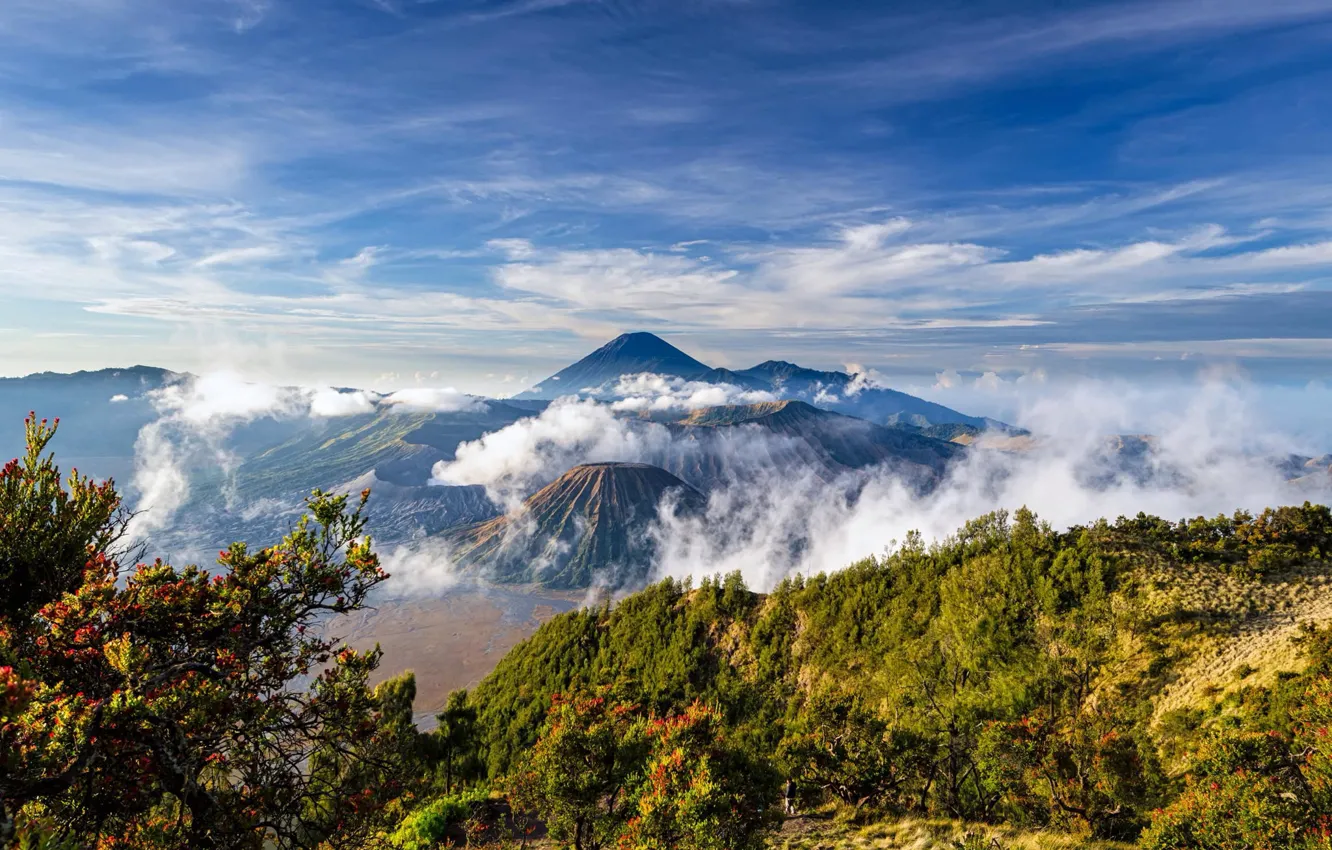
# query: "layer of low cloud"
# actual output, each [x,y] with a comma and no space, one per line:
[1212,452]
[329,403]
[1292,416]
[421,568]
[197,417]
[433,400]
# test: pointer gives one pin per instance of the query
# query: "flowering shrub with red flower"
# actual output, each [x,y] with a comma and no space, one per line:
[1085,772]
[170,706]
[698,792]
[603,774]
[1254,790]
[580,776]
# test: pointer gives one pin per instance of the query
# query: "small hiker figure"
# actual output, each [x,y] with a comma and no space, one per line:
[788,797]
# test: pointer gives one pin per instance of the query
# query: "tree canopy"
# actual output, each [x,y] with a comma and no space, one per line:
[162,706]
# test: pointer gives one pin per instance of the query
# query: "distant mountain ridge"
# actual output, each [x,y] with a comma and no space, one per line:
[783,373]
[399,446]
[140,373]
[636,353]
[100,413]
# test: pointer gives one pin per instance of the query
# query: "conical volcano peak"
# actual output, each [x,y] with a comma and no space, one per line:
[627,354]
[619,490]
[642,344]
[590,525]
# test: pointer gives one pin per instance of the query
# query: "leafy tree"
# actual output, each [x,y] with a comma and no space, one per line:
[49,527]
[455,738]
[173,707]
[854,754]
[583,769]
[1085,774]
[697,792]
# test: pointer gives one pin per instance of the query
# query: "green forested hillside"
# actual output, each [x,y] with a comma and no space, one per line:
[1013,673]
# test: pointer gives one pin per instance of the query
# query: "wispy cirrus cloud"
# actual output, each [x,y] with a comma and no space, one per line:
[975,51]
[382,187]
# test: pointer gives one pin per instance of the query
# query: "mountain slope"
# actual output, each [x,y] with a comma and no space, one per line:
[627,354]
[392,452]
[400,447]
[100,414]
[839,391]
[782,374]
[587,527]
[737,442]
[1160,612]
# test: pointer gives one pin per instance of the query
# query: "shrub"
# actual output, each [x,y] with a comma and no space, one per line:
[429,825]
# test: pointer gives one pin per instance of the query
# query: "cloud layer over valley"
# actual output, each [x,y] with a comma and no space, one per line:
[1210,450]
[192,441]
[788,487]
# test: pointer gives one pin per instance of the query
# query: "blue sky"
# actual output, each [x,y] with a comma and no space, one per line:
[389,192]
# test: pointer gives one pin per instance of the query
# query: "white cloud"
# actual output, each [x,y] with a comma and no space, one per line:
[866,277]
[513,461]
[863,378]
[195,418]
[423,567]
[328,402]
[433,400]
[197,415]
[163,159]
[241,256]
[620,279]
[867,237]
[651,393]
[1211,454]
[249,14]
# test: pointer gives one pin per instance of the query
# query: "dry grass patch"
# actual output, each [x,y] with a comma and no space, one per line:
[1246,631]
[916,834]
